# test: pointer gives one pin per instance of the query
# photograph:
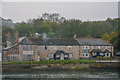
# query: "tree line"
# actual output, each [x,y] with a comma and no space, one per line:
[58,27]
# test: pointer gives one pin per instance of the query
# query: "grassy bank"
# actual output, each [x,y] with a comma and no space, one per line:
[52,62]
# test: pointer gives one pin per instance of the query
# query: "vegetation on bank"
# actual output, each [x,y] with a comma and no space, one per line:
[52,62]
[104,58]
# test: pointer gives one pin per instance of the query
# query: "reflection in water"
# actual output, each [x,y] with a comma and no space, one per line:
[62,74]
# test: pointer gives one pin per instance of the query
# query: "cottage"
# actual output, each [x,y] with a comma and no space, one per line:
[36,49]
[93,47]
[40,49]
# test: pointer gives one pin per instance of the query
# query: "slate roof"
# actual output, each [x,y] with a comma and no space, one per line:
[93,42]
[98,50]
[52,41]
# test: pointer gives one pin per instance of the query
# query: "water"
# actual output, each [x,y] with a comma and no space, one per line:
[61,74]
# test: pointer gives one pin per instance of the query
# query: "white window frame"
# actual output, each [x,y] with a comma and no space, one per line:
[55,48]
[84,55]
[106,54]
[66,55]
[50,55]
[99,47]
[85,47]
[106,47]
[101,54]
[70,55]
[69,47]
[57,56]
[93,47]
[60,48]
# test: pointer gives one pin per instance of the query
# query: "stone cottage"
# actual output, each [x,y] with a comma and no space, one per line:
[93,47]
[36,49]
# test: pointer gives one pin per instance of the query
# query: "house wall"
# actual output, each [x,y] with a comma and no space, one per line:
[44,53]
[102,48]
[6,54]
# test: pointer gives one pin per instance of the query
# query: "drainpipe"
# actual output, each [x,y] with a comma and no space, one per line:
[79,51]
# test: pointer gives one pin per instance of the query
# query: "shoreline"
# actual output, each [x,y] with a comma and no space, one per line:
[82,66]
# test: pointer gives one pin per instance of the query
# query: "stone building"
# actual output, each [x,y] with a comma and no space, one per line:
[36,49]
[41,49]
[93,47]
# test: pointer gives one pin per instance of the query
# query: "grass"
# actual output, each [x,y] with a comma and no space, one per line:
[104,58]
[52,62]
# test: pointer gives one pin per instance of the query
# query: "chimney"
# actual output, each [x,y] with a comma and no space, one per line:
[17,36]
[106,40]
[9,35]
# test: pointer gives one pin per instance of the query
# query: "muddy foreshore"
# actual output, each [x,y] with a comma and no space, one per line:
[87,66]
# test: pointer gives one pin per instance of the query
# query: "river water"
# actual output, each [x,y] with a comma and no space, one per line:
[62,74]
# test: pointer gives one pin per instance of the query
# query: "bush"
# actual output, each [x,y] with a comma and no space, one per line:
[52,62]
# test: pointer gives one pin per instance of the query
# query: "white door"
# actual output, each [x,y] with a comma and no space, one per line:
[61,56]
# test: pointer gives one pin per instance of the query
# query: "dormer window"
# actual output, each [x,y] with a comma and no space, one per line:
[98,47]
[85,47]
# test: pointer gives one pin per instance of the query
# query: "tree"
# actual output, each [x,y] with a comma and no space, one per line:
[24,29]
[43,29]
[5,30]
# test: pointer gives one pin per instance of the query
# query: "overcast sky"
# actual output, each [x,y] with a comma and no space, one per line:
[22,11]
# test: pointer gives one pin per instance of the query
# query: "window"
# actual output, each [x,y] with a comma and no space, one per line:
[93,47]
[27,57]
[101,54]
[106,47]
[57,56]
[50,55]
[14,57]
[85,47]
[59,47]
[69,47]
[55,48]
[94,54]
[70,55]
[66,55]
[85,55]
[107,54]
[98,47]
[27,47]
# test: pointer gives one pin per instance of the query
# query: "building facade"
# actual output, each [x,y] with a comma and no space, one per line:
[36,49]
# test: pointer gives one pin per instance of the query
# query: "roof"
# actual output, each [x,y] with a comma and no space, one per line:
[52,41]
[98,50]
[7,48]
[58,52]
[93,41]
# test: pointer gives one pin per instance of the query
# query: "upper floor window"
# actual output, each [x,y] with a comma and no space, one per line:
[27,47]
[69,47]
[85,55]
[70,55]
[85,47]
[50,55]
[59,47]
[106,47]
[93,47]
[55,48]
[98,47]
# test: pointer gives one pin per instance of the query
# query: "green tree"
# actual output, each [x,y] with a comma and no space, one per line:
[24,29]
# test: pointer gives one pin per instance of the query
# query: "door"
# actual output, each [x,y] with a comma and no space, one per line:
[62,56]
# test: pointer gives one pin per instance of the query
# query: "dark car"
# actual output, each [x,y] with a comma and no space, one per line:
[117,54]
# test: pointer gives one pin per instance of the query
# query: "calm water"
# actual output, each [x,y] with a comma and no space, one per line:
[62,74]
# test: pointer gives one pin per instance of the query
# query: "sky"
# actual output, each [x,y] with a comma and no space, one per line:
[92,11]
